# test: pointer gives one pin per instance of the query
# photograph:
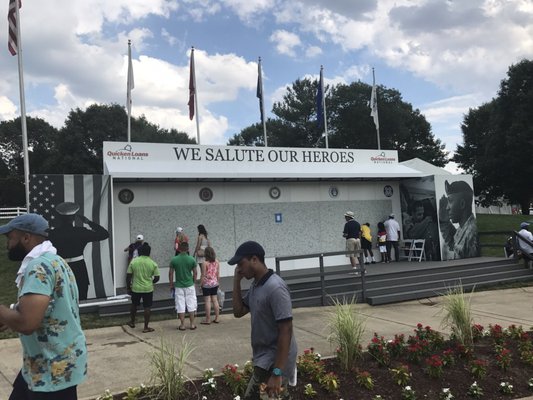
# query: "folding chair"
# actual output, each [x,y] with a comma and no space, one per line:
[405,249]
[418,250]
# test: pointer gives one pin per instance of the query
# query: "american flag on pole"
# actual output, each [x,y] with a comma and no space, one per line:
[192,89]
[93,194]
[12,42]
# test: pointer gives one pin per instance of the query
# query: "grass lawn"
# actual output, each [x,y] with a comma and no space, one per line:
[493,223]
[8,269]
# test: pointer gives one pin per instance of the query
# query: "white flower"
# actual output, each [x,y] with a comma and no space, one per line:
[408,388]
[445,390]
[237,397]
[204,397]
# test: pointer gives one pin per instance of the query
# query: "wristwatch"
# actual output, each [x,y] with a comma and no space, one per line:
[277,372]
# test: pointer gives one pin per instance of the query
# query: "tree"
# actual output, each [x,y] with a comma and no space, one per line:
[349,122]
[41,143]
[81,140]
[498,141]
[75,149]
[295,125]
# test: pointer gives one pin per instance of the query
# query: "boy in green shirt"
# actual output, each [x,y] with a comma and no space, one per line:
[184,266]
[141,275]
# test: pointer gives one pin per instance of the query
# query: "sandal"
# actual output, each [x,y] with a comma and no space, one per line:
[192,328]
[216,322]
[181,328]
[146,330]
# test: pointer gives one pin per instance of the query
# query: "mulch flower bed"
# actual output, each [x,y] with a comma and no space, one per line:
[499,365]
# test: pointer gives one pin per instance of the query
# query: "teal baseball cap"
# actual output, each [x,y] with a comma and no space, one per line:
[31,223]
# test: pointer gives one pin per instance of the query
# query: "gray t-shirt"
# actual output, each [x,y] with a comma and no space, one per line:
[269,302]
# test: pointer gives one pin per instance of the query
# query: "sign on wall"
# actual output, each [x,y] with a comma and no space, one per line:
[140,160]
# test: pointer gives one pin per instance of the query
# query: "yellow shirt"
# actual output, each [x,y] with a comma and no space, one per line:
[365,232]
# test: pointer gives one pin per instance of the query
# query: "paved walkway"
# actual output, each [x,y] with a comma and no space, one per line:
[119,356]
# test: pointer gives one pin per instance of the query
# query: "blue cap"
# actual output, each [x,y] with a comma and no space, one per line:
[31,223]
[524,225]
[250,248]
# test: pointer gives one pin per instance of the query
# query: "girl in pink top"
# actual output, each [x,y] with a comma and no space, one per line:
[209,282]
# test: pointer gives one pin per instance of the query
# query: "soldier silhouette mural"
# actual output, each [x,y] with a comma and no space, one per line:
[458,222]
[70,240]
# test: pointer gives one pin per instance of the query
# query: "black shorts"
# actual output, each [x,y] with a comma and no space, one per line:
[209,291]
[21,391]
[365,244]
[147,299]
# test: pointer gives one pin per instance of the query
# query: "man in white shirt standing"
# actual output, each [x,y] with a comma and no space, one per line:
[525,233]
[393,236]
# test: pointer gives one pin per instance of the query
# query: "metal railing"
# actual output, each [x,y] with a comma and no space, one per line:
[528,258]
[322,273]
[12,212]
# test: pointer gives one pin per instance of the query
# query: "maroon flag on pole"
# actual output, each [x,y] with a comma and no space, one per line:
[192,89]
[12,43]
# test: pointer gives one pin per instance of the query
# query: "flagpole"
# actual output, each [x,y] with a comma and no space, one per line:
[23,111]
[195,96]
[375,104]
[261,99]
[324,105]
[130,84]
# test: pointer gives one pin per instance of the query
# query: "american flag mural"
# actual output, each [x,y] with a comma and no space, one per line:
[92,193]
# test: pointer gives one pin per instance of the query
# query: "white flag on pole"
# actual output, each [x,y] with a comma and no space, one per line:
[131,83]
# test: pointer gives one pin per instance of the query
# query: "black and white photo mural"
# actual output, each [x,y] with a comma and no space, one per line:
[457,219]
[419,214]
[78,209]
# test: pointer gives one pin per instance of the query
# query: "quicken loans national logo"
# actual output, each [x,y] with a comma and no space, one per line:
[383,159]
[127,153]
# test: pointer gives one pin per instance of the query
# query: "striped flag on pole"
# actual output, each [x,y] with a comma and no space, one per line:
[12,42]
[192,89]
[374,106]
[93,194]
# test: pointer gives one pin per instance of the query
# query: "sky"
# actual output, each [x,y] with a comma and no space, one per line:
[444,57]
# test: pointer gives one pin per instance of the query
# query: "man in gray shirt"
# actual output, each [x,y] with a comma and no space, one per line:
[269,302]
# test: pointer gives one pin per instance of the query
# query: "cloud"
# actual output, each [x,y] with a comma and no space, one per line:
[247,10]
[171,40]
[313,51]
[8,110]
[285,42]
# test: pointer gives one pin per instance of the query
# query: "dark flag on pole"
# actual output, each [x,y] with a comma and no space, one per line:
[260,90]
[192,89]
[320,101]
[12,43]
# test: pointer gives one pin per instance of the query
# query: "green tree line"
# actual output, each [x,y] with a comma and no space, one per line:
[497,144]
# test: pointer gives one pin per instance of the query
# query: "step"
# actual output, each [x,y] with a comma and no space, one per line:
[437,291]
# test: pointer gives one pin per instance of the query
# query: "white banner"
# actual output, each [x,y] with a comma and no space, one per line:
[122,159]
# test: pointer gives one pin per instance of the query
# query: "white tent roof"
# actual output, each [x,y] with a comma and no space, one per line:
[424,167]
[173,161]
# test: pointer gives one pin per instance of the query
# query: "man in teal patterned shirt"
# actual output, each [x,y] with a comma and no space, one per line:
[46,315]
